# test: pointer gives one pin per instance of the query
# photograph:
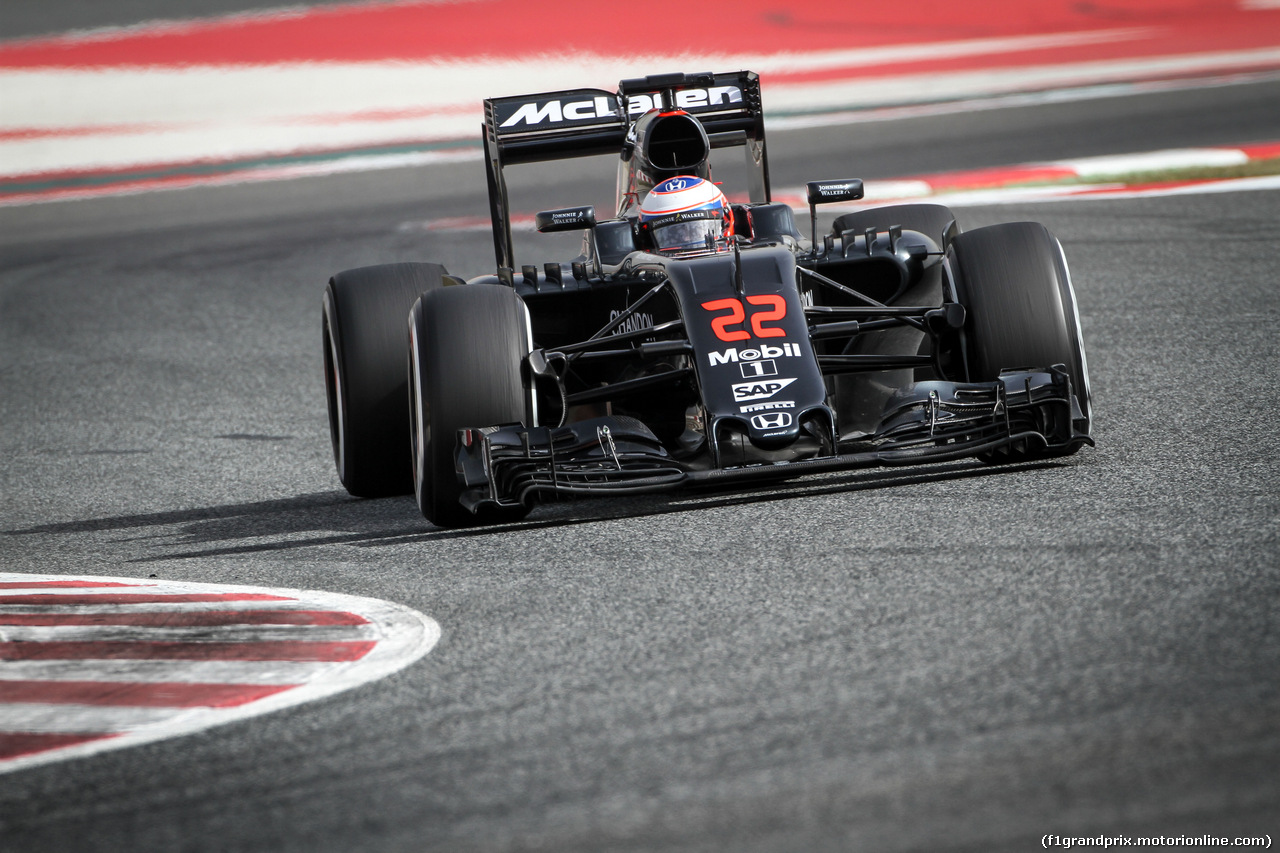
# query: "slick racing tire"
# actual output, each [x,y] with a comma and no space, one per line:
[1020,312]
[931,220]
[365,378]
[466,345]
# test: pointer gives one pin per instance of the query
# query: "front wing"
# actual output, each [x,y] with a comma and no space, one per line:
[932,421]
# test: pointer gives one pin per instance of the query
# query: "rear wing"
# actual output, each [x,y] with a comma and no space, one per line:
[586,122]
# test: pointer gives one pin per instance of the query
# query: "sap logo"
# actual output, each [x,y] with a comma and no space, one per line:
[775,420]
[634,323]
[765,351]
[752,369]
[765,407]
[558,111]
[744,391]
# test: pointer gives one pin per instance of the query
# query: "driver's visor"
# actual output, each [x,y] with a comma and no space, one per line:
[694,229]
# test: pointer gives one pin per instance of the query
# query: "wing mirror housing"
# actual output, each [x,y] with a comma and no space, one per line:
[829,192]
[566,219]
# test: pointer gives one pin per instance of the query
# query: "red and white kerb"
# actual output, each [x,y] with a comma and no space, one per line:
[91,663]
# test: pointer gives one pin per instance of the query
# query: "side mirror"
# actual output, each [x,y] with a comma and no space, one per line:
[566,219]
[829,192]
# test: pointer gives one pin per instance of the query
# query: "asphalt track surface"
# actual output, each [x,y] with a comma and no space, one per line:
[952,657]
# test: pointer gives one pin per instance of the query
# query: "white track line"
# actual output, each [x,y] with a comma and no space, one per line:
[192,672]
[35,718]
[195,634]
[158,607]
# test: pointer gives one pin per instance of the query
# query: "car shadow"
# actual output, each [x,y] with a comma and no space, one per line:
[335,518]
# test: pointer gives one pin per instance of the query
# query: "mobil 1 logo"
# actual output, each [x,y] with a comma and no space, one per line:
[756,369]
[763,353]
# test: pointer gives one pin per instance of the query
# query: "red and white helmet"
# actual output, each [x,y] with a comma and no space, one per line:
[686,215]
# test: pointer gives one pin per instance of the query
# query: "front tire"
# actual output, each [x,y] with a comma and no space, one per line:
[466,345]
[364,312]
[1021,312]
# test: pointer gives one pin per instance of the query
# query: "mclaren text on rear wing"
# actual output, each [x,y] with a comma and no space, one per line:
[576,109]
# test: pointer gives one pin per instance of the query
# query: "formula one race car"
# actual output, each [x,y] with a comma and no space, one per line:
[695,341]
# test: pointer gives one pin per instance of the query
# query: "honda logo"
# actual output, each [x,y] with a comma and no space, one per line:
[773,420]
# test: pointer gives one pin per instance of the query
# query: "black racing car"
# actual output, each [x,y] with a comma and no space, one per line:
[892,339]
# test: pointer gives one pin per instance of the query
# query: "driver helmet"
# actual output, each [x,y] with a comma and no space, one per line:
[686,215]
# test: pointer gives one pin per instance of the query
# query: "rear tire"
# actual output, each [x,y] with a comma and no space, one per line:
[466,345]
[1020,312]
[363,319]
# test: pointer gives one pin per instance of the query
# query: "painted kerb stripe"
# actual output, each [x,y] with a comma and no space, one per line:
[88,664]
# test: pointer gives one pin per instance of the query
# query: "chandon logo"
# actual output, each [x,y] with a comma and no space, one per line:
[634,323]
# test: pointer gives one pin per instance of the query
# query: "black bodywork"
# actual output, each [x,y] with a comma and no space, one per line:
[789,353]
